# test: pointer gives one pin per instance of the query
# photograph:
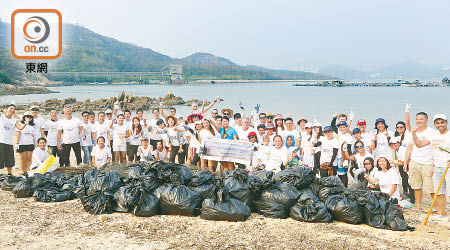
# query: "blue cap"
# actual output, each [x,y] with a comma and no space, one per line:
[327,129]
[342,123]
[380,120]
[356,130]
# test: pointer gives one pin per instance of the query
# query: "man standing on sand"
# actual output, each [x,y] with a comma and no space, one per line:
[8,121]
[39,122]
[420,158]
[69,129]
[51,128]
[441,142]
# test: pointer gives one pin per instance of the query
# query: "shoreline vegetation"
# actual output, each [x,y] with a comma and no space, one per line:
[129,101]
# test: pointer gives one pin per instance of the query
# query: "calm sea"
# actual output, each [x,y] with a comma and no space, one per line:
[310,102]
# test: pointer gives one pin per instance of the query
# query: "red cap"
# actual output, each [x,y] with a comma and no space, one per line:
[252,134]
[361,122]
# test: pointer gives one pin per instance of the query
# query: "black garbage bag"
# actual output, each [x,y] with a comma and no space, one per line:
[10,181]
[147,205]
[394,218]
[202,183]
[345,208]
[84,182]
[168,169]
[180,200]
[259,181]
[282,193]
[125,198]
[331,185]
[374,208]
[225,210]
[237,184]
[272,209]
[72,183]
[109,181]
[56,179]
[221,207]
[53,195]
[309,208]
[23,189]
[100,202]
[299,177]
[159,190]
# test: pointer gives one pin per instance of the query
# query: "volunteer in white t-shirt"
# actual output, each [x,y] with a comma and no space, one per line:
[25,140]
[101,154]
[244,129]
[152,128]
[386,178]
[101,128]
[136,132]
[40,154]
[278,155]
[306,146]
[144,151]
[9,122]
[207,132]
[69,130]
[51,130]
[329,148]
[289,130]
[120,133]
[160,154]
[380,139]
[420,158]
[39,123]
[86,144]
[441,158]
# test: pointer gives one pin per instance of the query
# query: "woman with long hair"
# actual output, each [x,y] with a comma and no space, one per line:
[176,140]
[278,156]
[120,133]
[317,135]
[380,139]
[386,178]
[136,133]
[306,150]
[25,140]
[207,132]
[279,124]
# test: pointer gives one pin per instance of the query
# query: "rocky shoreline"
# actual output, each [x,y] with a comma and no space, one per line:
[8,89]
[129,102]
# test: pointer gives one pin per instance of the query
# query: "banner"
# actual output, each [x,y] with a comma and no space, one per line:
[227,150]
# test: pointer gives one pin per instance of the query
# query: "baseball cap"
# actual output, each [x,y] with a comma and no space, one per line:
[361,122]
[308,125]
[317,124]
[440,116]
[261,126]
[328,129]
[342,123]
[34,107]
[144,138]
[380,120]
[394,140]
[356,130]
[252,134]
[28,113]
[108,111]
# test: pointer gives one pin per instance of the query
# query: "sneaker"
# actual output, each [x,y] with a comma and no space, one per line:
[439,218]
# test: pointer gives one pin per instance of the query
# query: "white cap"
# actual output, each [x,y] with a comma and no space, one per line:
[108,111]
[440,116]
[34,107]
[308,125]
[394,140]
[28,113]
[317,124]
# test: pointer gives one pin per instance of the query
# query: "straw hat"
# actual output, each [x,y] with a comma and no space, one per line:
[227,110]
[174,118]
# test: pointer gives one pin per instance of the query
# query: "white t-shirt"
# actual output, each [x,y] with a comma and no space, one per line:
[284,134]
[101,155]
[386,180]
[276,158]
[108,122]
[102,130]
[26,135]
[440,157]
[145,154]
[382,144]
[88,130]
[71,130]
[119,134]
[162,155]
[52,132]
[135,138]
[243,135]
[263,153]
[206,134]
[424,155]
[407,139]
[128,126]
[327,148]
[38,157]
[7,129]
[360,159]
[39,123]
[153,134]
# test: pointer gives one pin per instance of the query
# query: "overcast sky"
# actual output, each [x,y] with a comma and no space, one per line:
[280,34]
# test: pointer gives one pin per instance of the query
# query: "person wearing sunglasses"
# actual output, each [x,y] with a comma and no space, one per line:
[214,113]
[359,154]
[360,175]
[404,135]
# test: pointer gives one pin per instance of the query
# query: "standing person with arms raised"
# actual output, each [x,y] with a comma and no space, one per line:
[420,158]
[69,130]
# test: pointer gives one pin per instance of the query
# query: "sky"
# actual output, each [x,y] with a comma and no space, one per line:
[278,34]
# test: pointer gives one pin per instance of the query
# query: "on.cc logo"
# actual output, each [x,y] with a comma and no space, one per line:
[39,26]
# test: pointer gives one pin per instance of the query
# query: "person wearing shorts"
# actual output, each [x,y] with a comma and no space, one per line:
[25,140]
[440,144]
[8,121]
[420,158]
[120,133]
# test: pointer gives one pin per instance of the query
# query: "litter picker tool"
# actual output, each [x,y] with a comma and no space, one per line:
[439,187]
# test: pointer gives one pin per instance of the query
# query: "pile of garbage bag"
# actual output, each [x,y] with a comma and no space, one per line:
[148,189]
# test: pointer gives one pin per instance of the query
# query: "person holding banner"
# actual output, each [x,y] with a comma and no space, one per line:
[207,132]
[227,132]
